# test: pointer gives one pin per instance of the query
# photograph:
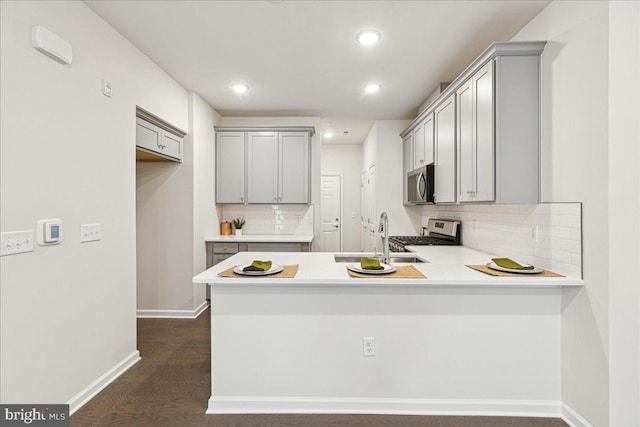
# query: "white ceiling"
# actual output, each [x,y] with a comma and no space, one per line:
[301,58]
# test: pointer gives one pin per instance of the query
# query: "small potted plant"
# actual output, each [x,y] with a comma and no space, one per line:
[238,223]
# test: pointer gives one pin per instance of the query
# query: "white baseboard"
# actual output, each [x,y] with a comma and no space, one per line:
[172,314]
[394,406]
[572,418]
[77,401]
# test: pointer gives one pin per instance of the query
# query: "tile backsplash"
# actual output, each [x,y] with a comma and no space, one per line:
[272,219]
[547,235]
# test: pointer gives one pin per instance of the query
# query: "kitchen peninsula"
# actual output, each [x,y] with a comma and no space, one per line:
[458,341]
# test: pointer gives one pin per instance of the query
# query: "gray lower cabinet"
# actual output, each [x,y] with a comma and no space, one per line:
[219,251]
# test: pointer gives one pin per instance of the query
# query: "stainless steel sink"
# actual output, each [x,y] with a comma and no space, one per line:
[394,258]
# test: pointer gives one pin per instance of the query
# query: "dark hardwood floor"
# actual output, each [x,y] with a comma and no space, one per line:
[170,387]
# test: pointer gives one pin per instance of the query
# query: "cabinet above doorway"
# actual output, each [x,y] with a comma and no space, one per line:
[263,164]
[157,140]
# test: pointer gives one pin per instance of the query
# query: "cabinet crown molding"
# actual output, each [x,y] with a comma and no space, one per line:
[525,48]
[152,118]
[310,129]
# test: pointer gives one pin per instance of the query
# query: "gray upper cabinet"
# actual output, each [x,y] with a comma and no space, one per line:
[429,138]
[418,146]
[230,148]
[423,143]
[293,161]
[277,165]
[517,131]
[148,135]
[445,147]
[407,162]
[262,164]
[476,137]
[157,140]
[466,150]
[492,152]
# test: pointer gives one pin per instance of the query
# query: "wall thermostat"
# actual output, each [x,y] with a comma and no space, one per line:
[49,232]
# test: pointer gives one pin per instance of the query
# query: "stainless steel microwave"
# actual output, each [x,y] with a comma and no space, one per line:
[420,185]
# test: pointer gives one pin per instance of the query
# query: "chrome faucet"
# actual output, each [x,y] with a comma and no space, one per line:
[383,227]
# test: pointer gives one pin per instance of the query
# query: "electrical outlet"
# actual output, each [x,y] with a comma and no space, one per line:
[368,347]
[16,242]
[534,234]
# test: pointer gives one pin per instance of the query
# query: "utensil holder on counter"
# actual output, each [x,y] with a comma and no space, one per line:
[225,228]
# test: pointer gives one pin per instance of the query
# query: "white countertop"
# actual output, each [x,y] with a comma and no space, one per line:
[263,238]
[445,267]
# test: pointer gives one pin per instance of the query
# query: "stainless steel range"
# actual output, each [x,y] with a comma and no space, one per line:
[438,232]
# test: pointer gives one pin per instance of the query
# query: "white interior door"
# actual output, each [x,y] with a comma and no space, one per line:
[331,213]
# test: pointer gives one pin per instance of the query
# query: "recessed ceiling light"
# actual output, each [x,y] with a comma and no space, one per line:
[328,135]
[371,87]
[240,88]
[368,37]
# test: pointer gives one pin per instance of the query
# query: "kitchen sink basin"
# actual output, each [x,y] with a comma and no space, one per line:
[394,259]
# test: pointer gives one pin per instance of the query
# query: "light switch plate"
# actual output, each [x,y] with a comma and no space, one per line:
[90,232]
[16,242]
[107,89]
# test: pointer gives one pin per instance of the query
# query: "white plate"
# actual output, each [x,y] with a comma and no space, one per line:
[275,268]
[534,270]
[387,268]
